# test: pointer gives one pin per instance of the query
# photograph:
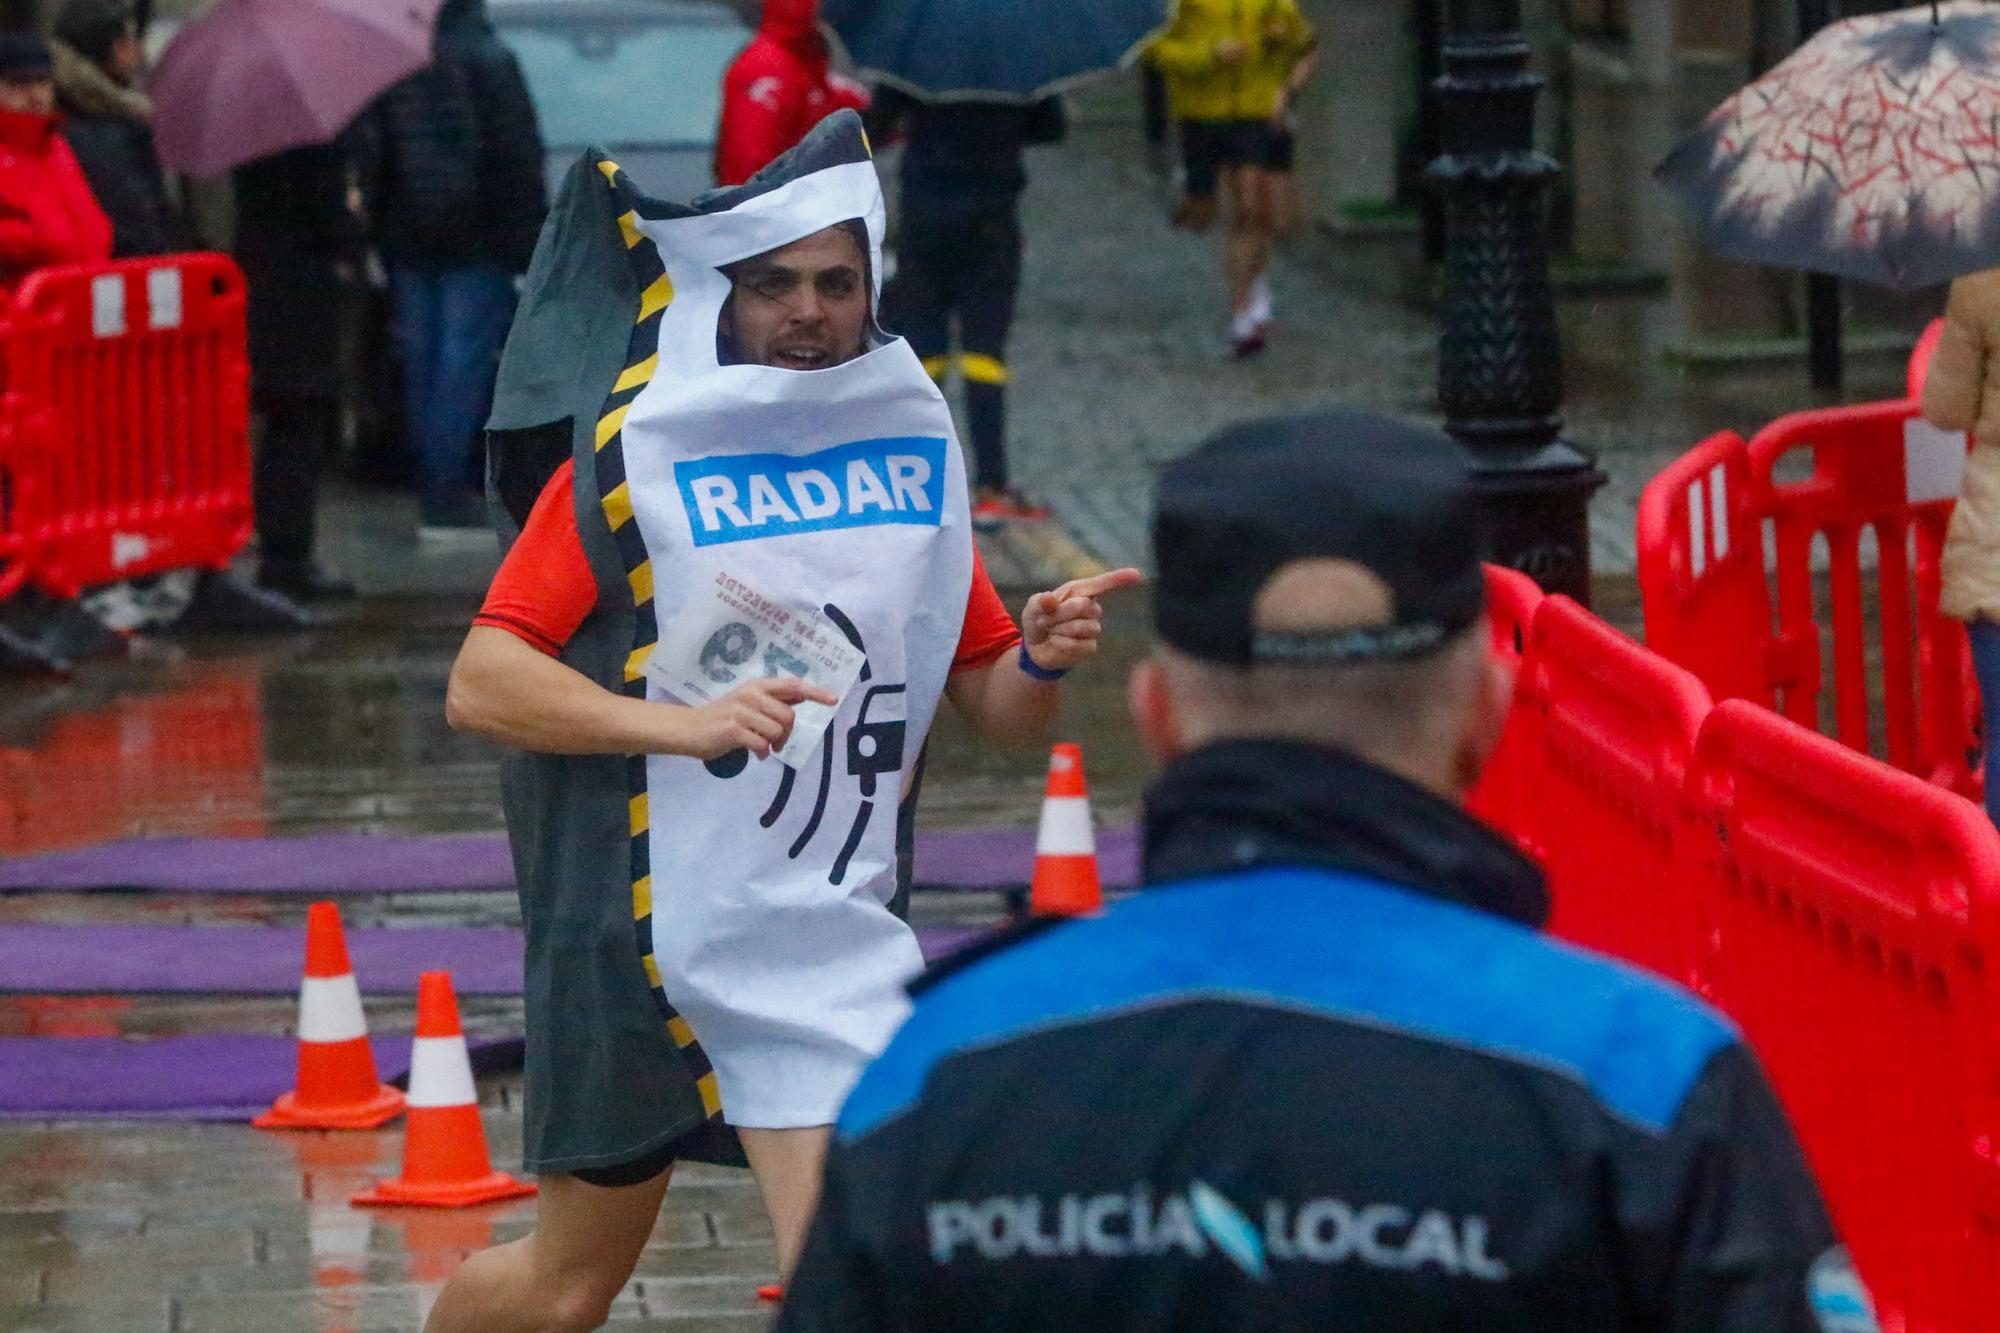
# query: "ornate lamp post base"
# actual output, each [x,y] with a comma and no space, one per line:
[1500,363]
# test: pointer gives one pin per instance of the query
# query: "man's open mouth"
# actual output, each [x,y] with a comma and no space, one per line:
[801,358]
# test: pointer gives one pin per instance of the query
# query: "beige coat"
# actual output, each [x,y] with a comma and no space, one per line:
[1960,394]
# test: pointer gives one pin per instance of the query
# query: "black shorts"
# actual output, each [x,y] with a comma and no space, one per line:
[1209,145]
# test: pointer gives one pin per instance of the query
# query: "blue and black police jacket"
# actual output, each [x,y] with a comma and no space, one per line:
[1323,1073]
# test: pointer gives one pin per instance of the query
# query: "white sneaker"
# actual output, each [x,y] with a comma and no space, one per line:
[1259,309]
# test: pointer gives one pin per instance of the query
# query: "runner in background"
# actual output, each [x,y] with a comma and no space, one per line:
[1232,68]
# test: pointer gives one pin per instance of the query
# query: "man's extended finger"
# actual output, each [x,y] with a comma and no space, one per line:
[1099,584]
[798,690]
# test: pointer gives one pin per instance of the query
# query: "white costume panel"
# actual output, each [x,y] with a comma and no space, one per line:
[841,491]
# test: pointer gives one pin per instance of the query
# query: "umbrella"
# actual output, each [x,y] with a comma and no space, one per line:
[251,77]
[991,50]
[1872,152]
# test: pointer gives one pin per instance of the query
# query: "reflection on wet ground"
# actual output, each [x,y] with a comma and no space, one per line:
[223,1227]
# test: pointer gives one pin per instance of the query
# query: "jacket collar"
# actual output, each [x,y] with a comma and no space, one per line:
[87,90]
[27,133]
[1234,805]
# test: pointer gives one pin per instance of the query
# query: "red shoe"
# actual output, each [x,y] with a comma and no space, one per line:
[991,508]
[988,515]
[771,1293]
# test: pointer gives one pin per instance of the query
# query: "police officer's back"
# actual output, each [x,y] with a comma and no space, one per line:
[1324,1072]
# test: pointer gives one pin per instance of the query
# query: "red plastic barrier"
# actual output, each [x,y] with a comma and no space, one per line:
[1846,914]
[1853,929]
[1614,732]
[1920,359]
[127,416]
[1750,628]
[1506,791]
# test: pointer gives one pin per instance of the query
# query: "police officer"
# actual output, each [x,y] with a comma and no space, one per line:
[1324,1072]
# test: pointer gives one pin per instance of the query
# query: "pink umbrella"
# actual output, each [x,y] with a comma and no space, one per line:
[249,78]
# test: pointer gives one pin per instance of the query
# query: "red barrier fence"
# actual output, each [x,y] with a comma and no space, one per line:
[125,446]
[1852,915]
[1727,571]
[1846,914]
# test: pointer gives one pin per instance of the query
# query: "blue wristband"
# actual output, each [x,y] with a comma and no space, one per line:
[1036,670]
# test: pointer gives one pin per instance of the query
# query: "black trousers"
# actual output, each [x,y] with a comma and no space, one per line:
[960,265]
[299,431]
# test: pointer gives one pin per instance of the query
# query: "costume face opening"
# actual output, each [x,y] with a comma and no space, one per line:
[803,306]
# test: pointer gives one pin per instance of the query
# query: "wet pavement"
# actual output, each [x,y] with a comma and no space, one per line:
[1117,368]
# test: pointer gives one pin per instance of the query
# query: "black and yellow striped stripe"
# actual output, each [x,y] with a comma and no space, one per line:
[642,359]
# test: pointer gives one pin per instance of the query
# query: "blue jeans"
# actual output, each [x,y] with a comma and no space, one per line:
[451,322]
[1985,636]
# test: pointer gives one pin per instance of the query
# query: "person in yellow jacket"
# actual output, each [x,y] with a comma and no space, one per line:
[1232,68]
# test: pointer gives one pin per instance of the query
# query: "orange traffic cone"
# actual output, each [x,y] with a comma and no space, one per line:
[1065,848]
[337,1087]
[444,1147]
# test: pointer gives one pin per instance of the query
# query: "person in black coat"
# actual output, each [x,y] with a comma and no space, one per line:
[299,243]
[452,168]
[958,251]
[109,125]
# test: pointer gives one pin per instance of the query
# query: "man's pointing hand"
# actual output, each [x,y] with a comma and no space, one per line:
[1061,627]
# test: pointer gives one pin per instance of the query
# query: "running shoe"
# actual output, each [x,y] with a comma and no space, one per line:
[991,508]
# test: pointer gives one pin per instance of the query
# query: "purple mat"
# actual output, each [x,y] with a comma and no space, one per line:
[336,863]
[247,960]
[265,960]
[225,1076]
[321,863]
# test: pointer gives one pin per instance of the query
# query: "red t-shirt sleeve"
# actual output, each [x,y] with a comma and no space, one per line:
[989,631]
[544,588]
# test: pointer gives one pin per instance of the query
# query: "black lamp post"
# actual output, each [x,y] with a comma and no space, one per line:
[1500,369]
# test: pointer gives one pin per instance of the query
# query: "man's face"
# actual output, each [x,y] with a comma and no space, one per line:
[803,306]
[36,97]
[128,57]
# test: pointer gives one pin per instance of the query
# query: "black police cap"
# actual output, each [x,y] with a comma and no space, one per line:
[1394,498]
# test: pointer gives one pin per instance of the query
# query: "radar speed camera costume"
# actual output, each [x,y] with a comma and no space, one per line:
[742,582]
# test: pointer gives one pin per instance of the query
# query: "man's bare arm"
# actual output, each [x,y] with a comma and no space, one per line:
[1060,630]
[507,692]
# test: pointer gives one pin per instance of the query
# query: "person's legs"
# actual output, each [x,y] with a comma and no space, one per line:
[1199,146]
[1985,636]
[475,308]
[1248,251]
[565,1273]
[990,282]
[284,474]
[787,1164]
[299,432]
[917,302]
[419,328]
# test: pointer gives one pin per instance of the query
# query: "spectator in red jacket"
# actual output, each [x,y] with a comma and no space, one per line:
[777,90]
[48,215]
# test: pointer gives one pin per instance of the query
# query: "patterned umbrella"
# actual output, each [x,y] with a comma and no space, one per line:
[1872,152]
[250,77]
[991,50]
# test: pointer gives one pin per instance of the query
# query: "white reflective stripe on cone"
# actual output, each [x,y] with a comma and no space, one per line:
[440,1073]
[1066,827]
[330,1009]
